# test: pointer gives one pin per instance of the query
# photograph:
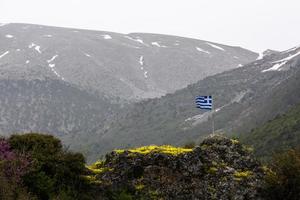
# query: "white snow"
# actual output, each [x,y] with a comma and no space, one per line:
[136,40]
[27,61]
[31,45]
[157,44]
[146,74]
[9,36]
[292,49]
[288,58]
[5,53]
[52,59]
[275,67]
[280,63]
[51,65]
[107,37]
[87,55]
[235,57]
[215,46]
[49,36]
[176,44]
[240,65]
[202,50]
[141,61]
[18,50]
[36,47]
[260,56]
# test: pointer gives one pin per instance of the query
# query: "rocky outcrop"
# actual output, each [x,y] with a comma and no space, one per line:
[220,168]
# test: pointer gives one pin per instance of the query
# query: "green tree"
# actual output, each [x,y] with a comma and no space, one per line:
[56,173]
[283,179]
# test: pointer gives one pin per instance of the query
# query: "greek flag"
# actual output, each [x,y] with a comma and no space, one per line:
[204,102]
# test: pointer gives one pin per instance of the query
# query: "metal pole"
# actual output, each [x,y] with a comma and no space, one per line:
[212,116]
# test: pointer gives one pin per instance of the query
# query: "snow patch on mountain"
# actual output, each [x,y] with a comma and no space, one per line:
[18,50]
[106,37]
[27,61]
[49,36]
[275,67]
[146,74]
[136,40]
[52,67]
[288,58]
[9,36]
[202,50]
[52,59]
[292,49]
[215,46]
[4,54]
[36,47]
[157,44]
[141,61]
[280,63]
[260,56]
[87,55]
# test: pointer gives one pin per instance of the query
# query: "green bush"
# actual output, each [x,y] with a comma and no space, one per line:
[56,173]
[283,178]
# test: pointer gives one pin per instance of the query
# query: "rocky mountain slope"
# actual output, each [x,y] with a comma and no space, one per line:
[219,168]
[126,66]
[277,135]
[50,106]
[244,98]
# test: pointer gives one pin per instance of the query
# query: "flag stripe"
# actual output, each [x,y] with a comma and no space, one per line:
[204,102]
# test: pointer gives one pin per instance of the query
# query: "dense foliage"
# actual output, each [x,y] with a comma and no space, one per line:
[283,178]
[40,164]
[37,166]
[277,135]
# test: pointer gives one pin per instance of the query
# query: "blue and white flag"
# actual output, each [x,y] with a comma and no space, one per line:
[204,102]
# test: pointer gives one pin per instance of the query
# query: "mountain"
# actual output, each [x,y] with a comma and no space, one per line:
[72,82]
[126,66]
[50,106]
[280,134]
[244,98]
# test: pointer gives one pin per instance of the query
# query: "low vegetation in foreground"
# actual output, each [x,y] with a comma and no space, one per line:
[37,166]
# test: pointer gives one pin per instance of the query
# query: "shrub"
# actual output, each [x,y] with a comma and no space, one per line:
[283,178]
[55,172]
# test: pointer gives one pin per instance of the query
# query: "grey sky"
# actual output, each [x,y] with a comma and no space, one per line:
[253,24]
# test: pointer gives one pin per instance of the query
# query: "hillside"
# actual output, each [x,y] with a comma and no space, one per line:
[127,66]
[277,135]
[219,168]
[244,98]
[73,83]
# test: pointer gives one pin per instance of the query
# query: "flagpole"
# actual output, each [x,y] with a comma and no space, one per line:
[212,116]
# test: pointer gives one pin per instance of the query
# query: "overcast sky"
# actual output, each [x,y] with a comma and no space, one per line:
[253,24]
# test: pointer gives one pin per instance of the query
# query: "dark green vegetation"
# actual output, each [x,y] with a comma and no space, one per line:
[277,135]
[35,166]
[283,178]
[49,172]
